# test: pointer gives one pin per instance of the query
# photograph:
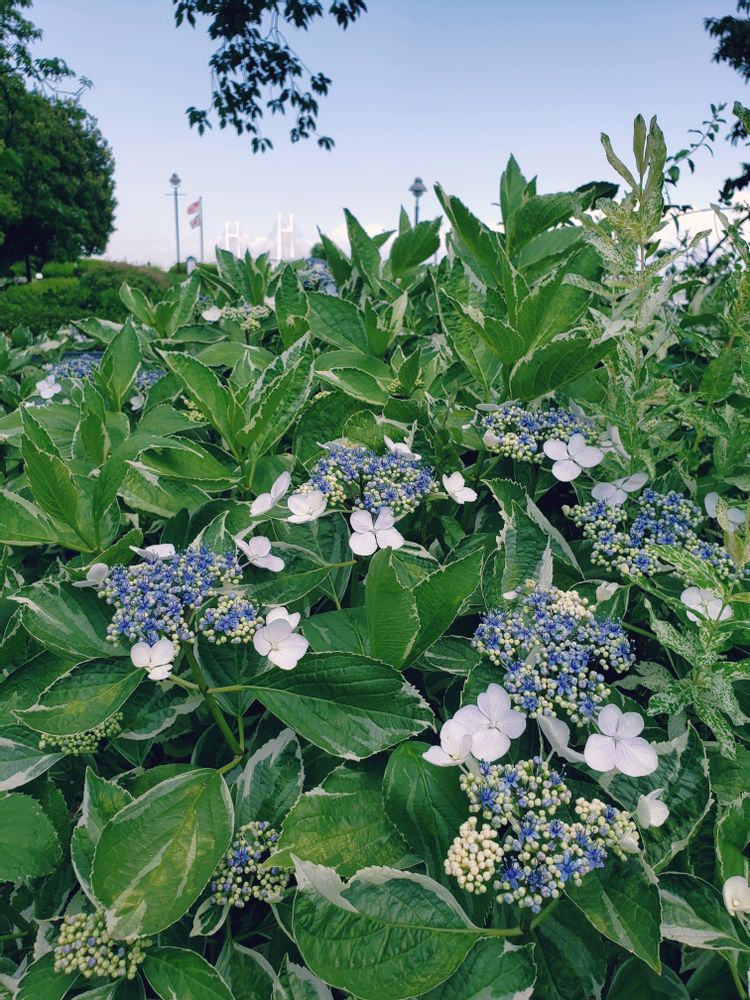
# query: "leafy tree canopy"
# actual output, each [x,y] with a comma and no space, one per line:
[254,69]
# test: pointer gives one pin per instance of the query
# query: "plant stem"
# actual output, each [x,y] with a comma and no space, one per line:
[540,918]
[502,932]
[232,763]
[639,631]
[207,693]
[188,685]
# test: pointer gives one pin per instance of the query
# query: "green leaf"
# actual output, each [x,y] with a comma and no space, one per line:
[342,824]
[732,834]
[441,595]
[290,303]
[29,846]
[298,983]
[81,699]
[357,374]
[348,705]
[143,490]
[694,914]
[23,523]
[477,245]
[102,800]
[555,365]
[718,377]
[365,253]
[414,246]
[247,972]
[275,404]
[391,609]
[623,904]
[493,970]
[183,824]
[41,982]
[211,398]
[337,322]
[271,781]
[190,460]
[22,688]
[52,485]
[571,961]
[386,935]
[71,621]
[21,760]
[633,981]
[178,972]
[119,366]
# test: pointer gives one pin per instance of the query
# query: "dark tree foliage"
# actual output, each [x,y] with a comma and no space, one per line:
[56,170]
[733,48]
[254,70]
[57,176]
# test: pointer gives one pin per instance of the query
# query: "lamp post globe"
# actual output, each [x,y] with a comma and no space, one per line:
[417,189]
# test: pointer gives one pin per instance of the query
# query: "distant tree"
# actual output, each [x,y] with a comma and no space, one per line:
[733,37]
[56,170]
[57,178]
[254,70]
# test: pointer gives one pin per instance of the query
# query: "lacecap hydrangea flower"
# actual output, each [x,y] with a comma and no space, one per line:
[247,871]
[233,619]
[75,365]
[554,651]
[529,846]
[519,433]
[85,947]
[358,478]
[154,599]
[624,534]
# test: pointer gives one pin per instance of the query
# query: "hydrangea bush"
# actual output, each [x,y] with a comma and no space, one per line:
[379,628]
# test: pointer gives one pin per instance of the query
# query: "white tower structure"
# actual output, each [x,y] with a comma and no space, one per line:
[284,248]
[232,238]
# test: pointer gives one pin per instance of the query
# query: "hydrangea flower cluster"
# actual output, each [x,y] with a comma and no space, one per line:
[518,433]
[144,380]
[624,536]
[316,276]
[528,852]
[80,743]
[245,872]
[155,598]
[75,366]
[234,619]
[191,410]
[396,480]
[554,649]
[248,317]
[85,947]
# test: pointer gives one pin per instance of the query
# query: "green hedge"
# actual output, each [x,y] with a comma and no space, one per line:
[69,291]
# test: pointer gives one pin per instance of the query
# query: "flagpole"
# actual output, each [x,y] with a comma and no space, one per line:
[201,211]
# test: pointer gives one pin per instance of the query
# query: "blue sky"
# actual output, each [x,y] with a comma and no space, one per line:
[446,89]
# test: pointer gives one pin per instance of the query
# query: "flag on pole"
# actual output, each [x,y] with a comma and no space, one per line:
[194,207]
[197,221]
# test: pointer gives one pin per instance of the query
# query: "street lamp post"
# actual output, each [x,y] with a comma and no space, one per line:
[417,189]
[175,181]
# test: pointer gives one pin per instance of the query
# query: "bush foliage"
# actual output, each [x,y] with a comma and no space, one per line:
[376,628]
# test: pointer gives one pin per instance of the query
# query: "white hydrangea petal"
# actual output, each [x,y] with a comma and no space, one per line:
[556,450]
[140,655]
[630,724]
[635,482]
[361,520]
[261,642]
[261,505]
[557,733]
[588,457]
[513,723]
[736,895]
[270,562]
[363,543]
[470,718]
[280,486]
[599,752]
[438,757]
[635,757]
[160,672]
[163,651]
[604,491]
[390,537]
[489,744]
[384,520]
[566,470]
[709,502]
[609,719]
